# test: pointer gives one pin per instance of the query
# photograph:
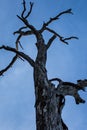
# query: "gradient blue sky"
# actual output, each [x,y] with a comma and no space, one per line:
[66,62]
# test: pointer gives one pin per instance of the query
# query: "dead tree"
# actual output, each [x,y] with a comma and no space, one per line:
[49,100]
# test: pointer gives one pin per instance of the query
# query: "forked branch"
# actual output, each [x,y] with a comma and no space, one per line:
[24,17]
[24,10]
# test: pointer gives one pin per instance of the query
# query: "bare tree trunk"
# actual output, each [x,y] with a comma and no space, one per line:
[48,104]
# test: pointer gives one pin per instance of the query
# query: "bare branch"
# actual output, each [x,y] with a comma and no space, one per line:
[62,39]
[50,41]
[20,30]
[31,6]
[82,83]
[69,11]
[24,9]
[56,79]
[18,41]
[28,25]
[9,66]
[26,33]
[52,31]
[69,88]
[21,33]
[21,54]
[24,19]
[69,38]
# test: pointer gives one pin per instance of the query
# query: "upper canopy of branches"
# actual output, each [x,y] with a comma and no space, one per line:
[29,29]
[64,88]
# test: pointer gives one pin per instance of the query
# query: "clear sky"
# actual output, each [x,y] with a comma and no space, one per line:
[68,62]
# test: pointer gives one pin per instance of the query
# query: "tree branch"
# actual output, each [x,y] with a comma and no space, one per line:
[9,66]
[27,24]
[24,19]
[56,79]
[21,33]
[69,11]
[62,39]
[24,9]
[21,54]
[69,88]
[50,41]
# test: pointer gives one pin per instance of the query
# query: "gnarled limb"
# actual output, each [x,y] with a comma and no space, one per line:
[21,54]
[69,88]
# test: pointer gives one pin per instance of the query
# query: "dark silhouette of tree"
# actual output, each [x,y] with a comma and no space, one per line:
[49,100]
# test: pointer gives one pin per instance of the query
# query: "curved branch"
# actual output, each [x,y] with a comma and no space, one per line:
[21,54]
[20,30]
[56,79]
[21,33]
[9,66]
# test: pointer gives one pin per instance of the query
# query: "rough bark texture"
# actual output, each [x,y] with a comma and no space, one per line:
[49,100]
[48,105]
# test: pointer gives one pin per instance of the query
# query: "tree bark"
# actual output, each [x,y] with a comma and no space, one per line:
[48,104]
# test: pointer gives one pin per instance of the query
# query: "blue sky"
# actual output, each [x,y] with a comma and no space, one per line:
[66,62]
